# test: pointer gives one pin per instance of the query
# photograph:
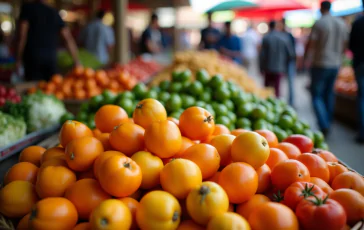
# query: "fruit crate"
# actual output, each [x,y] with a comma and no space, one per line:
[346,109]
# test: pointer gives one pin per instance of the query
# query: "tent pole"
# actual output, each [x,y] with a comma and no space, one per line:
[121,32]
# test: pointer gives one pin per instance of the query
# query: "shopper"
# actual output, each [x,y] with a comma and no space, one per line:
[357,47]
[210,36]
[291,68]
[98,38]
[151,39]
[251,43]
[39,29]
[230,44]
[327,44]
[276,52]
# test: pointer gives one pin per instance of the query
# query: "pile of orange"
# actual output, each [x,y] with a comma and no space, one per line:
[83,83]
[154,172]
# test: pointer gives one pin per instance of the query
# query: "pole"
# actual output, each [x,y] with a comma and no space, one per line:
[121,32]
[94,6]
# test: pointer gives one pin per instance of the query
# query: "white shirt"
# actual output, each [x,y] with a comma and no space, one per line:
[97,37]
[251,40]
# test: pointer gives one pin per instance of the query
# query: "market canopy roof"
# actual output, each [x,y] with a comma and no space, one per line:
[232,4]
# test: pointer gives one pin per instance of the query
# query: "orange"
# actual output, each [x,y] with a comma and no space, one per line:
[214,178]
[240,181]
[316,165]
[101,159]
[132,204]
[174,120]
[321,184]
[90,73]
[189,225]
[326,155]
[186,143]
[220,129]
[86,195]
[32,154]
[228,220]
[237,132]
[148,111]
[83,226]
[110,116]
[223,144]
[53,153]
[96,132]
[179,177]
[89,174]
[270,137]
[24,171]
[104,139]
[163,138]
[127,138]
[205,156]
[246,208]
[289,149]
[335,169]
[350,180]
[72,130]
[23,223]
[251,148]
[275,156]
[264,178]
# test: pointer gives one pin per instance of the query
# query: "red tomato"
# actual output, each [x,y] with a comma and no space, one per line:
[299,191]
[302,142]
[321,214]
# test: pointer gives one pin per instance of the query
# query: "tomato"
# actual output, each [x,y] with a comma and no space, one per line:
[264,178]
[174,120]
[53,213]
[89,174]
[350,180]
[120,176]
[82,152]
[326,155]
[246,208]
[275,156]
[270,137]
[302,142]
[186,143]
[23,223]
[17,199]
[321,184]
[83,226]
[240,182]
[316,165]
[54,180]
[189,225]
[163,139]
[110,116]
[86,194]
[299,191]
[72,130]
[214,178]
[270,215]
[288,172]
[228,220]
[196,123]
[32,154]
[55,152]
[237,132]
[132,137]
[179,177]
[289,149]
[151,167]
[102,158]
[321,214]
[205,156]
[352,202]
[111,214]
[158,210]
[206,201]
[335,169]
[21,171]
[132,204]
[251,148]
[223,144]
[104,138]
[220,129]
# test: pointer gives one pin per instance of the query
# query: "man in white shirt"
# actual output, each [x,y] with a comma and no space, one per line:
[251,41]
[98,38]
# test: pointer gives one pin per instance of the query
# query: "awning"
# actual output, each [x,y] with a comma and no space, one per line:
[232,4]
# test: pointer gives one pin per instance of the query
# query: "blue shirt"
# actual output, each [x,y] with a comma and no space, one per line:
[209,34]
[232,43]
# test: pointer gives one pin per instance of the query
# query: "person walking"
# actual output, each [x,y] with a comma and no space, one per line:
[327,43]
[39,29]
[251,42]
[230,44]
[151,39]
[275,53]
[210,36]
[356,45]
[98,38]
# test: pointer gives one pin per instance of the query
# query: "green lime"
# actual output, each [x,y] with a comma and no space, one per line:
[229,104]
[286,122]
[139,91]
[96,102]
[260,124]
[267,105]
[216,81]
[184,76]
[210,109]
[291,112]
[231,127]
[270,117]
[151,94]
[163,96]
[297,128]
[174,103]
[278,109]
[155,88]
[175,76]
[202,76]
[281,134]
[309,133]
[205,96]
[175,115]
[220,109]
[164,85]
[196,88]
[222,94]
[234,90]
[223,120]
[67,116]
[82,116]
[185,87]
[201,104]
[243,122]
[175,87]
[244,110]
[238,101]
[259,112]
[305,124]
[127,105]
[125,94]
[318,137]
[91,124]
[323,146]
[270,126]
[187,101]
[289,132]
[232,117]
[109,97]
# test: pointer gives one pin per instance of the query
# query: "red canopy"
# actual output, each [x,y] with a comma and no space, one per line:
[270,9]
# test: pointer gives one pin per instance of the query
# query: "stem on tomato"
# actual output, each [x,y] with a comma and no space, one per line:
[127,165]
[175,216]
[104,222]
[72,156]
[204,190]
[208,119]
[278,197]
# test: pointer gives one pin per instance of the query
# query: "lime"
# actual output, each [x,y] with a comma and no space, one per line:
[286,122]
[184,76]
[196,88]
[175,75]
[278,109]
[223,120]
[259,112]
[305,124]
[185,87]
[323,146]
[84,107]
[309,133]
[151,94]
[260,124]
[231,127]
[234,90]
[67,116]
[163,96]
[229,104]
[164,85]
[205,96]
[175,87]
[139,90]
[201,104]
[125,94]
[291,112]
[220,109]
[270,117]
[175,115]
[155,88]
[202,76]
[221,94]
[96,102]
[281,134]
[243,122]
[232,117]
[210,109]
[82,116]
[238,101]
[127,105]
[109,97]
[297,128]
[216,81]
[244,110]
[187,101]
[318,138]
[174,103]
[91,124]
[267,105]
[289,132]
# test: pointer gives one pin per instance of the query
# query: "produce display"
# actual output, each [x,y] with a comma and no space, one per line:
[8,94]
[214,64]
[11,129]
[156,172]
[65,61]
[346,83]
[230,105]
[7,67]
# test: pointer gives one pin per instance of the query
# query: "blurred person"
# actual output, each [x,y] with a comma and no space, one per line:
[151,40]
[291,68]
[251,42]
[356,45]
[4,48]
[98,38]
[327,43]
[39,29]
[210,36]
[230,44]
[276,51]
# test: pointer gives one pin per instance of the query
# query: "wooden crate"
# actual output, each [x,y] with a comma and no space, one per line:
[346,109]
